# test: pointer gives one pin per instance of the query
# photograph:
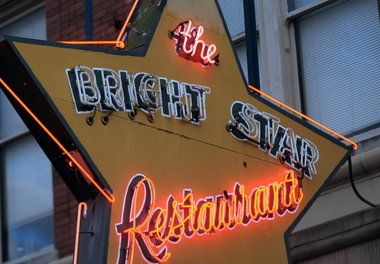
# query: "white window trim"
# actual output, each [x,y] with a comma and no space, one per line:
[46,254]
[292,15]
[65,260]
[239,38]
[14,137]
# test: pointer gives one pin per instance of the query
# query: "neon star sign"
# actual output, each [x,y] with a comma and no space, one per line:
[190,46]
[152,228]
[55,87]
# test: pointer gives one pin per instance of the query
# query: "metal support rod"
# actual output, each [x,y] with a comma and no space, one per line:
[364,200]
[251,43]
[88,19]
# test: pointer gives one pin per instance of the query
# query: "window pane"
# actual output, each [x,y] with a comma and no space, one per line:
[25,171]
[241,53]
[31,26]
[233,12]
[10,122]
[30,237]
[28,197]
[295,4]
[340,64]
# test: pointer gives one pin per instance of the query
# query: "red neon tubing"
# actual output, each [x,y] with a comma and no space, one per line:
[353,143]
[104,192]
[119,43]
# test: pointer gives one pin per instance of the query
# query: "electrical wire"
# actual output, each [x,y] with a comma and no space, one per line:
[364,200]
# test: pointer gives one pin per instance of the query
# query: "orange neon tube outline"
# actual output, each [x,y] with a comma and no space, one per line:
[353,143]
[123,29]
[92,42]
[119,43]
[104,192]
[82,212]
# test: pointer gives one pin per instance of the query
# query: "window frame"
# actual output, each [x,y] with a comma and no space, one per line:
[13,12]
[360,134]
[48,253]
[307,9]
[3,144]
[10,13]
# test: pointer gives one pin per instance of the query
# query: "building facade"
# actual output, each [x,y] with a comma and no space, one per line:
[321,57]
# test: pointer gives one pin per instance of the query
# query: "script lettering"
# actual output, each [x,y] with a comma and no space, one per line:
[153,228]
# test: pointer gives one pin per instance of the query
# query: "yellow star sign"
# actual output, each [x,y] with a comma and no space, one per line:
[178,160]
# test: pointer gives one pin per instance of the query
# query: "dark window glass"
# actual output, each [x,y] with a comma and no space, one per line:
[27,198]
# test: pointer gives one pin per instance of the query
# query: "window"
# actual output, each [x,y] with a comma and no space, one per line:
[32,25]
[241,53]
[339,50]
[10,123]
[233,12]
[296,4]
[27,195]
[25,173]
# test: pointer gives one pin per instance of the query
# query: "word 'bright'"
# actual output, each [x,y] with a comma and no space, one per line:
[152,228]
[127,92]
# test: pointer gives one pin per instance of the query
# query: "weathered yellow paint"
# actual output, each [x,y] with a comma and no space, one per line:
[175,154]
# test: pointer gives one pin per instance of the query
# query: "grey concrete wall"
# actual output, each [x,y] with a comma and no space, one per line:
[278,52]
[351,239]
[337,205]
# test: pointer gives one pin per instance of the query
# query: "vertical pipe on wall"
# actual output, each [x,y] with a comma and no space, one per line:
[88,19]
[251,43]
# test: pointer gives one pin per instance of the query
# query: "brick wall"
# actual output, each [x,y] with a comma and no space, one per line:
[65,21]
[105,14]
[65,18]
[65,211]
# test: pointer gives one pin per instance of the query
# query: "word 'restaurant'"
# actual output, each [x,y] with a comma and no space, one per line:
[152,228]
